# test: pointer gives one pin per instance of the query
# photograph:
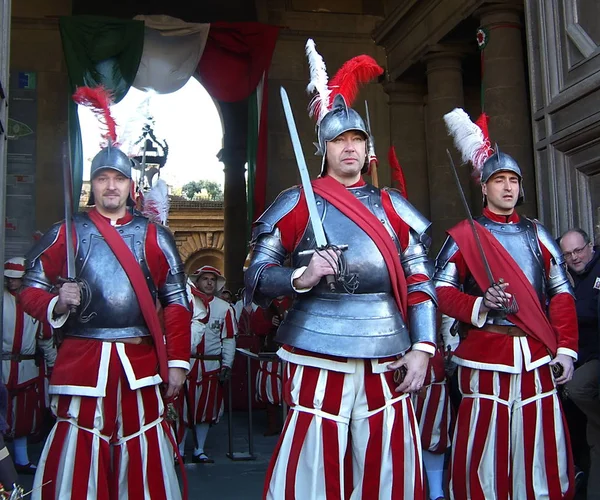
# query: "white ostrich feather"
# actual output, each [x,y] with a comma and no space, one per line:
[468,137]
[319,105]
[156,203]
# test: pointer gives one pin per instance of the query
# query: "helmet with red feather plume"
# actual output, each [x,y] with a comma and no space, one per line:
[331,103]
[99,100]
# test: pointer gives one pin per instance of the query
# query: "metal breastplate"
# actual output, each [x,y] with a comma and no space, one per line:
[109,307]
[365,324]
[521,242]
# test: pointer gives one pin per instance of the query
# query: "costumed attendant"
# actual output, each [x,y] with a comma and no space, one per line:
[212,357]
[23,370]
[510,438]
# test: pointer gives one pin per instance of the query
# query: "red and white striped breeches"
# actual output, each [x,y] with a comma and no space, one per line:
[204,402]
[116,447]
[24,412]
[434,414]
[268,382]
[348,435]
[510,439]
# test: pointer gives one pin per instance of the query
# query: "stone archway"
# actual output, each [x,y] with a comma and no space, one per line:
[204,257]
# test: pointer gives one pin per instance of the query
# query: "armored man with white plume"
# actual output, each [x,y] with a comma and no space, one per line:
[357,347]
[503,278]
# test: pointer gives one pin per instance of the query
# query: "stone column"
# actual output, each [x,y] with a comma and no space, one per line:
[407,134]
[505,92]
[444,93]
[234,209]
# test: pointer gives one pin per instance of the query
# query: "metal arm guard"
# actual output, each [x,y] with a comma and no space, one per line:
[173,290]
[414,260]
[35,276]
[446,272]
[266,278]
[558,282]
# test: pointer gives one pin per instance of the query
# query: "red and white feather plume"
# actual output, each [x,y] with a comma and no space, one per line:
[156,203]
[319,104]
[99,100]
[471,139]
[398,180]
[354,72]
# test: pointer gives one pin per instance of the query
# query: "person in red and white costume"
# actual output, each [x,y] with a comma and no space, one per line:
[23,371]
[510,438]
[357,349]
[214,329]
[116,363]
[264,324]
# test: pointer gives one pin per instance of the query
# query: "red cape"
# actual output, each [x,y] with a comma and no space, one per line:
[336,194]
[530,316]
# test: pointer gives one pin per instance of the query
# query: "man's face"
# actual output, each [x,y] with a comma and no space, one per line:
[207,283]
[576,251]
[346,155]
[111,190]
[502,191]
[14,284]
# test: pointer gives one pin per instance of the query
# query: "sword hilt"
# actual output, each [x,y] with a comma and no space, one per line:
[330,280]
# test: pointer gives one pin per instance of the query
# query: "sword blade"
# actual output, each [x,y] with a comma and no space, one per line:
[68,194]
[313,213]
[486,264]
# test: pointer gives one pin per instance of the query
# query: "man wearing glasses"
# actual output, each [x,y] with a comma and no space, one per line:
[583,261]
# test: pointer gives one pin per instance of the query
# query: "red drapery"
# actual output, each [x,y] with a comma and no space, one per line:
[235,58]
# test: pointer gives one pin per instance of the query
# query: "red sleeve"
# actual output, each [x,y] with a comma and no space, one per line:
[293,225]
[402,230]
[35,301]
[453,302]
[261,322]
[561,312]
[230,326]
[177,318]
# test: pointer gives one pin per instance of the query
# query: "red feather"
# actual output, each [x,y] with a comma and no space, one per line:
[486,150]
[398,180]
[359,69]
[99,100]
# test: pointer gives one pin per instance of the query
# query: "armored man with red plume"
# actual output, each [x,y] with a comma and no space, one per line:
[512,297]
[111,439]
[354,350]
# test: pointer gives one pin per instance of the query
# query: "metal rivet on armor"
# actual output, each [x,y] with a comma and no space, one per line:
[383,221]
[84,224]
[502,228]
[84,241]
[141,261]
[376,205]
[138,243]
[137,227]
[121,231]
[372,190]
[318,202]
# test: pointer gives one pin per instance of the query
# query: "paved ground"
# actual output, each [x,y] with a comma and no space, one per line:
[225,479]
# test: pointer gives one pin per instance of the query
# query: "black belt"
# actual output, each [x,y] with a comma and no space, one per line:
[207,357]
[8,356]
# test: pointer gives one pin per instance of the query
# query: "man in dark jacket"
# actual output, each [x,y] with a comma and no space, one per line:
[583,260]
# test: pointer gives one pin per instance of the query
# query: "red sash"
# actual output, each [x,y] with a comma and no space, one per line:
[138,281]
[530,317]
[336,194]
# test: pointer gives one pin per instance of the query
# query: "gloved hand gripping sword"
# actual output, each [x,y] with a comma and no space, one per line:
[508,305]
[313,214]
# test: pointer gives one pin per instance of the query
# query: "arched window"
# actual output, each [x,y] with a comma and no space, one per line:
[188,120]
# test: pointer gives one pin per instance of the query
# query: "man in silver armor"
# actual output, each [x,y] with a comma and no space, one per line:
[518,341]
[111,438]
[344,346]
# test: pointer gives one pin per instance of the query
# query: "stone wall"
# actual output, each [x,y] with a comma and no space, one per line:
[36,46]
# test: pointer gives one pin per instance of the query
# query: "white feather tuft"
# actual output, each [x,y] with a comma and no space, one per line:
[156,203]
[468,138]
[319,105]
